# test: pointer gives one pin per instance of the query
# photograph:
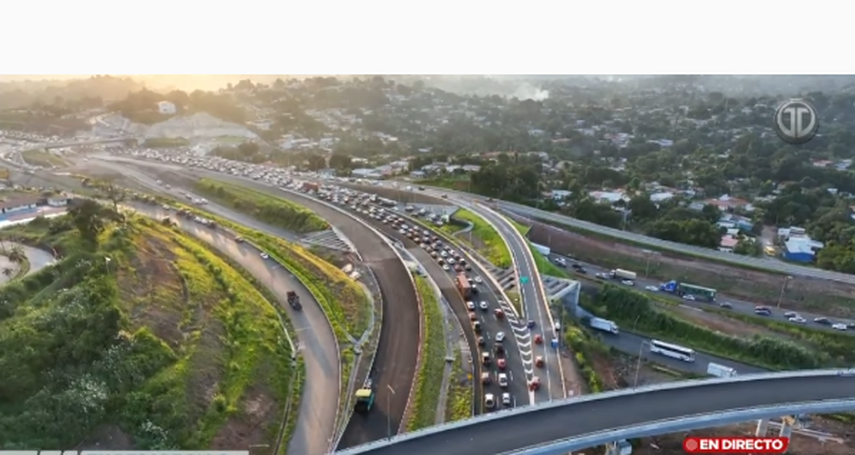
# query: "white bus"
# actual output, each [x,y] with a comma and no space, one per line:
[672,350]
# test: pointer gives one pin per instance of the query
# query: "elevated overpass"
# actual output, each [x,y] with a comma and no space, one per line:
[567,425]
[86,142]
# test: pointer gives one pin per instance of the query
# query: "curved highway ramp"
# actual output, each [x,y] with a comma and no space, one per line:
[597,419]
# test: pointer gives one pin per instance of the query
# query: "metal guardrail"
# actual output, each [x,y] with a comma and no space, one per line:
[366,448]
[564,446]
[410,275]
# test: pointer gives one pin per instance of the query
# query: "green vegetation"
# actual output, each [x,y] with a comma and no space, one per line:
[838,347]
[39,157]
[459,401]
[20,265]
[586,347]
[545,267]
[171,344]
[432,365]
[523,229]
[493,248]
[276,211]
[165,142]
[634,309]
[342,299]
[516,301]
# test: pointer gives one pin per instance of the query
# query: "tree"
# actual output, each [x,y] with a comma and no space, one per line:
[8,272]
[16,255]
[87,219]
[315,162]
[341,161]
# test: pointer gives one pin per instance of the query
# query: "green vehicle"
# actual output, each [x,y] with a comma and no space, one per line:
[364,400]
[699,292]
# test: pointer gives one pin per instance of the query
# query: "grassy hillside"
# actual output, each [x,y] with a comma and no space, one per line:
[276,211]
[140,333]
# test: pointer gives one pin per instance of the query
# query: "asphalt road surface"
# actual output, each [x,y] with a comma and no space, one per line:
[738,306]
[321,390]
[632,344]
[761,263]
[518,431]
[491,325]
[397,352]
[534,301]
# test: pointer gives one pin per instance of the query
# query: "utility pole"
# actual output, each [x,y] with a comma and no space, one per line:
[783,288]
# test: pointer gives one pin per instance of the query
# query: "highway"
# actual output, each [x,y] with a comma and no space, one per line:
[599,413]
[491,325]
[533,297]
[535,303]
[397,351]
[320,398]
[737,306]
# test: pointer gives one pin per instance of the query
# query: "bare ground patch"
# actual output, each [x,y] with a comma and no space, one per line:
[258,410]
[722,324]
[801,294]
[153,290]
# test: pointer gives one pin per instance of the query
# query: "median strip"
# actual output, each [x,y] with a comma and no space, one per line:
[635,310]
[492,246]
[460,394]
[276,211]
[432,366]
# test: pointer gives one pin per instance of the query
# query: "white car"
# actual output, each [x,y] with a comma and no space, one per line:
[484,305]
[839,326]
[628,282]
[489,401]
[500,337]
[264,256]
[689,297]
[478,279]
[471,305]
[506,399]
[503,380]
[797,320]
[651,288]
[446,267]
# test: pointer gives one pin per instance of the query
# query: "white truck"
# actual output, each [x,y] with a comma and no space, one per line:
[604,324]
[623,274]
[544,250]
[721,371]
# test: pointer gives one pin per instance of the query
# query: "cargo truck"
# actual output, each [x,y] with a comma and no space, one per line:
[463,286]
[294,300]
[544,250]
[621,274]
[604,324]
[721,371]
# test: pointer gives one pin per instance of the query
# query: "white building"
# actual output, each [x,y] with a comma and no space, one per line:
[166,108]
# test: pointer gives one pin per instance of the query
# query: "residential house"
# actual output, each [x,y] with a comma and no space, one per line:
[560,195]
[166,108]
[57,201]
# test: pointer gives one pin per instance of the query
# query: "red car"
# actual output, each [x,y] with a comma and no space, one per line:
[538,362]
[538,339]
[534,384]
[502,363]
[499,313]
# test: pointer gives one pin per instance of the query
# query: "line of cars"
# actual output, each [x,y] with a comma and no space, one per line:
[492,349]
[795,317]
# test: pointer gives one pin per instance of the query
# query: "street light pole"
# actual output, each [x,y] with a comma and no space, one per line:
[783,288]
[638,363]
[389,415]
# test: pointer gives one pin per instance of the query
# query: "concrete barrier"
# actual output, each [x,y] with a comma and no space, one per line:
[365,448]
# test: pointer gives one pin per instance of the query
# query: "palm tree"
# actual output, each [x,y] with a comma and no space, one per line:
[16,255]
[8,272]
